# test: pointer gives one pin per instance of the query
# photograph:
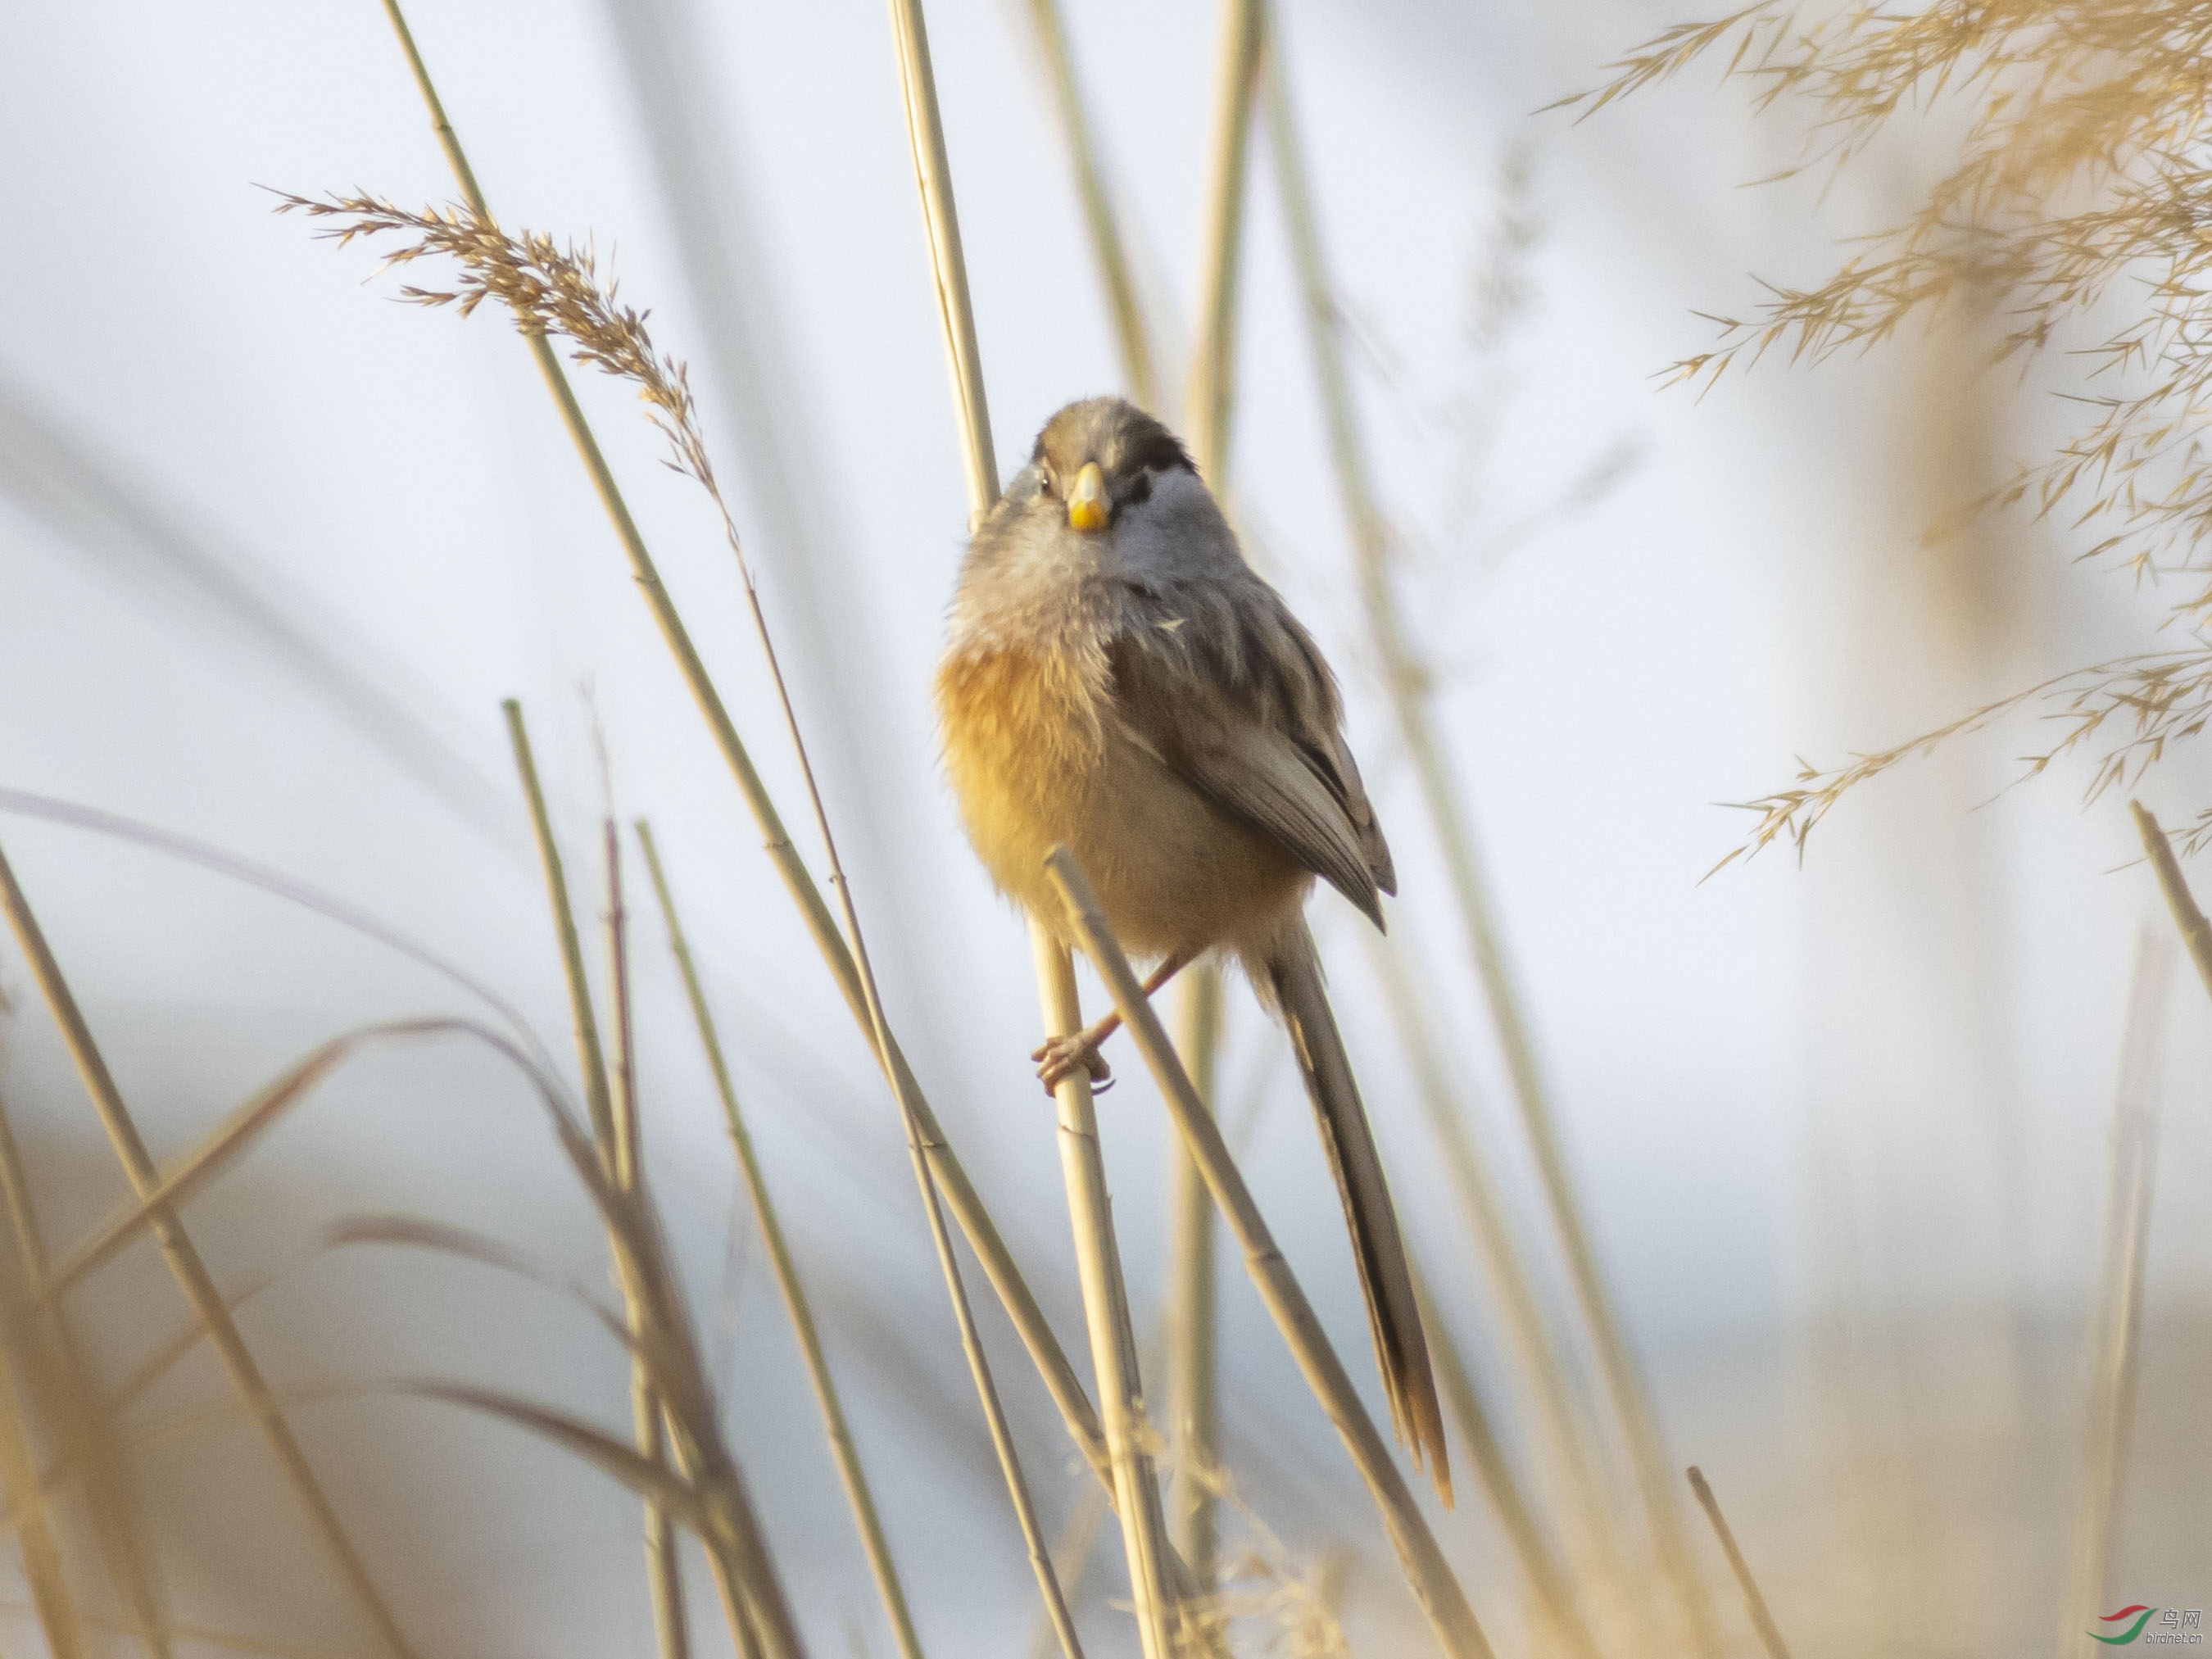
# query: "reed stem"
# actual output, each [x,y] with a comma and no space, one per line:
[1193,1352]
[1136,1492]
[1430,1575]
[1193,1356]
[191,1272]
[842,1450]
[1131,337]
[1770,1635]
[80,1416]
[1566,1437]
[959,1193]
[1106,1310]
[2116,1329]
[1550,1587]
[750,1592]
[664,1567]
[1409,685]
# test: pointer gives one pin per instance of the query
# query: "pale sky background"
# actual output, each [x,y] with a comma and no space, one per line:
[1886,1075]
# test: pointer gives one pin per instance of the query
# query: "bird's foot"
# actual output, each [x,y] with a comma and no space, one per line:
[1059,1058]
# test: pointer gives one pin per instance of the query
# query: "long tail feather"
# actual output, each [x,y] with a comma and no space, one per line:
[1401,1350]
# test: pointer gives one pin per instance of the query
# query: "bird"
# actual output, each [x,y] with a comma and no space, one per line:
[1119,680]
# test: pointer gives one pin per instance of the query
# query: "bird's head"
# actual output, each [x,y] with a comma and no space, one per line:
[1098,459]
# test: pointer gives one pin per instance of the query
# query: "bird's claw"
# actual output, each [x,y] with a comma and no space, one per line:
[1058,1059]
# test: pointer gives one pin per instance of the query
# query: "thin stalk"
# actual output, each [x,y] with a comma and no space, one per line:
[20,1377]
[2116,1331]
[948,266]
[751,1593]
[583,1021]
[1409,685]
[1131,337]
[1770,1636]
[1549,1586]
[663,1565]
[1136,1492]
[1105,1306]
[1426,1570]
[80,1414]
[959,1193]
[1568,1439]
[2195,928]
[1193,1350]
[1236,74]
[191,1272]
[1193,1437]
[842,1450]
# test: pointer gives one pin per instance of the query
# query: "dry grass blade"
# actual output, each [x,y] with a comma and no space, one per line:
[170,844]
[1770,1636]
[183,1261]
[2116,1328]
[842,1449]
[959,1193]
[1408,686]
[414,1232]
[648,1477]
[231,1139]
[1426,1568]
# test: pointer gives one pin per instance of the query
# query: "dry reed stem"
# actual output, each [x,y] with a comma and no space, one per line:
[750,1595]
[975,1224]
[948,265]
[1549,1586]
[1136,1491]
[1105,1307]
[664,1567]
[1192,1379]
[1566,1437]
[2196,930]
[1108,251]
[1193,1352]
[81,1420]
[2116,1325]
[1409,687]
[1213,377]
[1770,1636]
[184,1263]
[20,1391]
[583,1023]
[842,1450]
[1426,1568]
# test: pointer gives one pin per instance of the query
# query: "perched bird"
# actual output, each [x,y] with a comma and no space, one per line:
[1118,679]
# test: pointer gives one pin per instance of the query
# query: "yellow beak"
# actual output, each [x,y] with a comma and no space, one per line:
[1088,508]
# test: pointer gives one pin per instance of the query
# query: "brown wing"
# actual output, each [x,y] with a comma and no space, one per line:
[1231,694]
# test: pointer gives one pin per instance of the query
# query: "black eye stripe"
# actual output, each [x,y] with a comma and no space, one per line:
[1140,490]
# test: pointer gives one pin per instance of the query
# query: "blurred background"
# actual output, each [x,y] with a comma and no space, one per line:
[273,547]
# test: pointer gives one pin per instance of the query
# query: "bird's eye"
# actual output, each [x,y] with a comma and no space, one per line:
[1044,483]
[1140,490]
